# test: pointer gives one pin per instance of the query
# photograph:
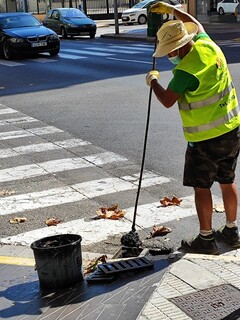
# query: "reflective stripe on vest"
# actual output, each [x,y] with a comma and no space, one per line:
[208,101]
[231,114]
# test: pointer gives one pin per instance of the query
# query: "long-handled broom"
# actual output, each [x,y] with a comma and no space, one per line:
[131,239]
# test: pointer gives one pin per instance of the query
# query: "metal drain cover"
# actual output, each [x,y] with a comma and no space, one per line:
[125,265]
[218,303]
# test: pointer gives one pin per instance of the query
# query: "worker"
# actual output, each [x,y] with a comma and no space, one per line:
[208,105]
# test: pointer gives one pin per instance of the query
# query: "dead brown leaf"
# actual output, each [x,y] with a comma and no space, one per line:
[112,213]
[52,222]
[18,220]
[92,265]
[175,201]
[7,192]
[159,231]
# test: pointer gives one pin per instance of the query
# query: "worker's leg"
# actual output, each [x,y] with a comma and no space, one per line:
[229,233]
[204,207]
[199,172]
[204,242]
[230,201]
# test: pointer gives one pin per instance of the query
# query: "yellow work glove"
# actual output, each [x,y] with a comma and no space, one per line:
[162,7]
[154,74]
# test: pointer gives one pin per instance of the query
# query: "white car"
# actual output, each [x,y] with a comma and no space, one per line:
[227,6]
[138,13]
[237,12]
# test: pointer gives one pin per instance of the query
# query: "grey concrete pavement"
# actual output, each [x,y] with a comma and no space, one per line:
[197,287]
[190,286]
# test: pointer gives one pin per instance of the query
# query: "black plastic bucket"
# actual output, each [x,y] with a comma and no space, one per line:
[58,260]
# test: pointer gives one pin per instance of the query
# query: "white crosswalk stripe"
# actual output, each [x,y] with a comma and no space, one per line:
[17,120]
[10,63]
[42,60]
[113,50]
[77,192]
[59,192]
[137,49]
[41,147]
[130,60]
[7,110]
[70,56]
[27,133]
[50,167]
[87,52]
[141,45]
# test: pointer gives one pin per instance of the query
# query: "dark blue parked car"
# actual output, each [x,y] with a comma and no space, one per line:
[70,22]
[22,33]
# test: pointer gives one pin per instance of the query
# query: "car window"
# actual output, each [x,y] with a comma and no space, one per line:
[141,4]
[145,3]
[72,14]
[19,21]
[49,14]
[55,14]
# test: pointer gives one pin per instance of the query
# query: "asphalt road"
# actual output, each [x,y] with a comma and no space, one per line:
[71,94]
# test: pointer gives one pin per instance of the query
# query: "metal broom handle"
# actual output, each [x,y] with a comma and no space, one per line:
[144,146]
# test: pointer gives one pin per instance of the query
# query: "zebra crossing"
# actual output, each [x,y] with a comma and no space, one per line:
[99,50]
[50,172]
[84,52]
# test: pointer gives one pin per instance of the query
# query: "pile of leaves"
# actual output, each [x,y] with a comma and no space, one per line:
[18,220]
[52,222]
[112,213]
[175,201]
[159,231]
[7,192]
[92,265]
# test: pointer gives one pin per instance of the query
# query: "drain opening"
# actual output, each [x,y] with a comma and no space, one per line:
[218,303]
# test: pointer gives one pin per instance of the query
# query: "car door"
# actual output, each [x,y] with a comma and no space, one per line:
[235,3]
[53,21]
[231,5]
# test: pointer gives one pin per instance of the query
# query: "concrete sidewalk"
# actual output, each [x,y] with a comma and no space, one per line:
[190,286]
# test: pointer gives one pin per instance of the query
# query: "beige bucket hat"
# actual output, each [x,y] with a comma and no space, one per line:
[173,35]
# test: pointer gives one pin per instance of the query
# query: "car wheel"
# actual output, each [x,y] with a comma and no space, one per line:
[92,35]
[142,19]
[63,33]
[221,11]
[54,52]
[6,50]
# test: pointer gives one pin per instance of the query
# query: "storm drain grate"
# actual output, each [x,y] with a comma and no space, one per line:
[125,265]
[218,303]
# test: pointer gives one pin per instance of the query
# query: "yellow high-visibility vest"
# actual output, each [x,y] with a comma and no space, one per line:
[212,109]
